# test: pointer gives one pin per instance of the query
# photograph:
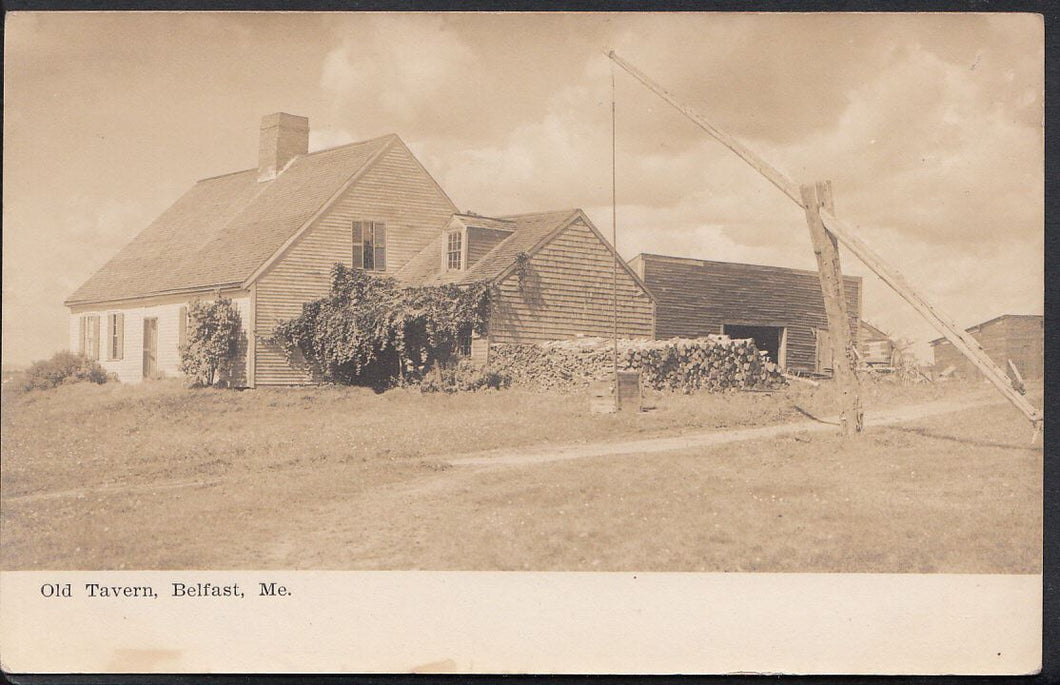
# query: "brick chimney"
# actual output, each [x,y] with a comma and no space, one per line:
[283,137]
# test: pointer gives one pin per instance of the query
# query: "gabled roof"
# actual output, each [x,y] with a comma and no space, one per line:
[874,330]
[529,232]
[224,228]
[479,221]
[750,268]
[979,326]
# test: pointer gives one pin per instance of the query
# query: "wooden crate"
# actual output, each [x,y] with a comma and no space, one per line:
[628,391]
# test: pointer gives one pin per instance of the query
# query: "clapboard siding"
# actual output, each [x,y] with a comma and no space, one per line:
[395,190]
[129,369]
[566,291]
[697,297]
[1019,338]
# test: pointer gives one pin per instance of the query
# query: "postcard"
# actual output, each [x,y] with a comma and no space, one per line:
[522,343]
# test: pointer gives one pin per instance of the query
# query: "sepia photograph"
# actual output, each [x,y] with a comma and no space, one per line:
[529,295]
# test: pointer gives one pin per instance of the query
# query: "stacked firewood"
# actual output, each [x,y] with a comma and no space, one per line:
[714,363]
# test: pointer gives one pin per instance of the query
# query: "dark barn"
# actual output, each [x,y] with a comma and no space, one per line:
[1016,337]
[781,309]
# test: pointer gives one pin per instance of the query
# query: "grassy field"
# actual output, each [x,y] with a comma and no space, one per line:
[157,476]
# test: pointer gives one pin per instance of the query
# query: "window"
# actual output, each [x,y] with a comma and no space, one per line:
[454,250]
[369,245]
[115,336]
[88,344]
[463,343]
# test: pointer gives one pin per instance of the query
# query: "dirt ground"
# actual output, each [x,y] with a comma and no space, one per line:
[160,477]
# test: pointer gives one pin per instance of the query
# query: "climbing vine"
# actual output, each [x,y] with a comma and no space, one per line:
[211,354]
[371,330]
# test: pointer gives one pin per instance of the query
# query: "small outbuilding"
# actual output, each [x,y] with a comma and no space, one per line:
[876,348]
[781,309]
[1019,338]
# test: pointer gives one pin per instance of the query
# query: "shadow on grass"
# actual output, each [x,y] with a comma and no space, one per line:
[815,418]
[926,433]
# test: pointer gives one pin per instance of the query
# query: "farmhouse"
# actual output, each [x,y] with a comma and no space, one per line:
[1015,337]
[268,237]
[781,309]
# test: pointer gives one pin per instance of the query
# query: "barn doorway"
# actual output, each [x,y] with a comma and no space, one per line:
[771,339]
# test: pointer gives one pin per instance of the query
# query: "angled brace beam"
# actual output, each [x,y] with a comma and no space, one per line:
[957,336]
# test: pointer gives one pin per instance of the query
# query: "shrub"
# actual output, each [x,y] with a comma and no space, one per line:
[63,368]
[370,330]
[212,348]
[463,377]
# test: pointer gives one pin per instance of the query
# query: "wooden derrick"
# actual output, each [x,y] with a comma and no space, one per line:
[958,337]
[844,351]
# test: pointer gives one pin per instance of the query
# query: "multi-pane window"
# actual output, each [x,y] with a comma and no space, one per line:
[115,336]
[463,343]
[454,250]
[369,245]
[88,342]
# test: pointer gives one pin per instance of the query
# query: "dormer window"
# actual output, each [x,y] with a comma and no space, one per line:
[454,251]
[467,238]
[369,245]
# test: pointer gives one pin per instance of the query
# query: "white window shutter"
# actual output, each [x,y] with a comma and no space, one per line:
[93,325]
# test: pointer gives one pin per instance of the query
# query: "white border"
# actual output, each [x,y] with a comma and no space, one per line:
[502,622]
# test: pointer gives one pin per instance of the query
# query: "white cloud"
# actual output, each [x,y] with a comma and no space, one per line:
[399,64]
[324,138]
[929,127]
[937,172]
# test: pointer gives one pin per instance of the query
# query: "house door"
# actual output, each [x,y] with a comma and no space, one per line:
[150,347]
[824,351]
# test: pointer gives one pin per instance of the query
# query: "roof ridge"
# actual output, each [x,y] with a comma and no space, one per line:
[230,173]
[551,211]
[308,154]
[483,216]
[751,264]
[353,144]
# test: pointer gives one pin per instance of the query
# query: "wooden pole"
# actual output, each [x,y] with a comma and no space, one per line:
[614,239]
[958,337]
[844,361]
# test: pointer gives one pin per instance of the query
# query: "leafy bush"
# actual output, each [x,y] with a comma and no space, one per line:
[463,377]
[372,330]
[62,369]
[212,348]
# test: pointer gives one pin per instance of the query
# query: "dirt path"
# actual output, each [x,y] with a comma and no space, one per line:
[551,453]
[716,506]
[82,493]
[539,455]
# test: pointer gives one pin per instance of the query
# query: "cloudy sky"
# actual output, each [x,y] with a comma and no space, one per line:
[929,126]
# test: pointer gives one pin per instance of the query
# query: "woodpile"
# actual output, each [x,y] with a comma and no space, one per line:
[714,363]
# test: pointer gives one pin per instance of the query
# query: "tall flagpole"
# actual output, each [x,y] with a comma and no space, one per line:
[614,232]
